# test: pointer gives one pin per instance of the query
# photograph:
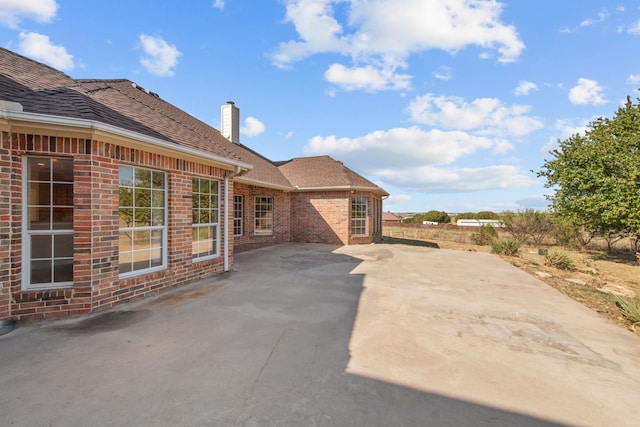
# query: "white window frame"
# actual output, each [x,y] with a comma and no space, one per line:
[149,228]
[360,221]
[238,215]
[27,234]
[215,224]
[260,201]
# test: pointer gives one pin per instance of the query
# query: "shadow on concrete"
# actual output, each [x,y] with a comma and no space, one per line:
[269,347]
[398,241]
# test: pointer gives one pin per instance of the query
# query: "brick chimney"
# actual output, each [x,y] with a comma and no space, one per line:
[230,122]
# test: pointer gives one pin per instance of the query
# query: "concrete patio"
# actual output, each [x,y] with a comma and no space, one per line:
[318,335]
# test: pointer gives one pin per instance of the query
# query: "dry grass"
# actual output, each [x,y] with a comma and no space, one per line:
[598,280]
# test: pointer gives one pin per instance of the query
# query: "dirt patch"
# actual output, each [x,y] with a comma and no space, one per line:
[597,281]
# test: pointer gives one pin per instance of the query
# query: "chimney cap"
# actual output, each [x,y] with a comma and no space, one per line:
[230,102]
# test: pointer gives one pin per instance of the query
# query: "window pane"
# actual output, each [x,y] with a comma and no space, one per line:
[39,169]
[63,246]
[142,197]
[156,238]
[142,217]
[40,272]
[39,193]
[141,259]
[156,257]
[63,194]
[126,196]
[125,259]
[157,198]
[126,176]
[141,239]
[39,218]
[205,186]
[205,217]
[158,180]
[126,217]
[125,241]
[142,178]
[157,217]
[62,218]
[41,246]
[62,170]
[63,270]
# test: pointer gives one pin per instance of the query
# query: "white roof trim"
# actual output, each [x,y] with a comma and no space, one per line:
[13,111]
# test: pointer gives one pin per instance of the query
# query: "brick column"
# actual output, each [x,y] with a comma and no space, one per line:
[5,226]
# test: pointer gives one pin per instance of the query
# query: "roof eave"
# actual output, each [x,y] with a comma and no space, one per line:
[343,188]
[11,111]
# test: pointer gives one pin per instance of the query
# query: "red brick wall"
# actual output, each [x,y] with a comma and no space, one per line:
[320,217]
[325,217]
[281,215]
[96,282]
[5,225]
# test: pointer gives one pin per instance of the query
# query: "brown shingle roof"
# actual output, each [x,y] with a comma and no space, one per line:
[123,104]
[323,172]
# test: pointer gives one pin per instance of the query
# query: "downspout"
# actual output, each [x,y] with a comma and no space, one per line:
[237,172]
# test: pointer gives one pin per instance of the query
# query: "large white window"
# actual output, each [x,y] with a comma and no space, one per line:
[263,215]
[359,216]
[143,219]
[206,218]
[48,229]
[238,215]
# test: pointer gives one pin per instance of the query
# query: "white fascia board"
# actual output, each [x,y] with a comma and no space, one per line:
[248,181]
[15,114]
[343,188]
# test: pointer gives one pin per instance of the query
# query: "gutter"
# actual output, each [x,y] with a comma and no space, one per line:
[14,111]
[343,188]
[237,172]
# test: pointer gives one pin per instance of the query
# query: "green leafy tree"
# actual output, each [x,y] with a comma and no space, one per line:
[440,217]
[431,216]
[466,215]
[596,177]
[487,215]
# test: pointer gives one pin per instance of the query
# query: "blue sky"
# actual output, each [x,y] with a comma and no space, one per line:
[447,104]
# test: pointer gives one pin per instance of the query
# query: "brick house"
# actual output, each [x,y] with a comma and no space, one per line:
[109,194]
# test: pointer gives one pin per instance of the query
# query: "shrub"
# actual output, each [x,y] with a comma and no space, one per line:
[485,235]
[559,259]
[506,246]
[630,309]
[528,224]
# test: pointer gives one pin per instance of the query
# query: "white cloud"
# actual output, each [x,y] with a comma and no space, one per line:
[486,115]
[525,88]
[564,129]
[634,28]
[366,78]
[39,47]
[587,92]
[160,58]
[443,73]
[397,199]
[218,4]
[400,147]
[430,179]
[604,14]
[633,79]
[252,127]
[13,11]
[370,34]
